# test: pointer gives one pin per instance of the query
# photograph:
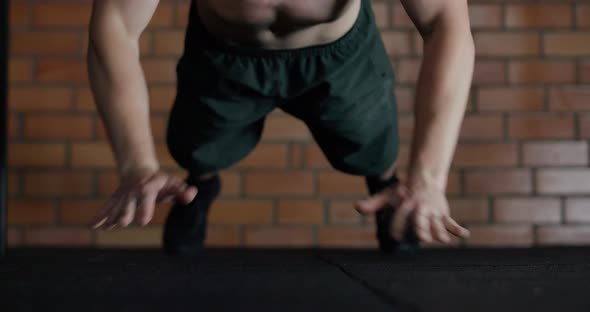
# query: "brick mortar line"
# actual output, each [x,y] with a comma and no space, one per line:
[390,21]
[473,100]
[456,168]
[520,154]
[574,12]
[302,156]
[67,147]
[77,56]
[274,213]
[563,214]
[326,207]
[95,125]
[315,234]
[506,64]
[528,85]
[20,131]
[66,113]
[535,234]
[506,127]
[94,185]
[109,170]
[289,160]
[83,28]
[534,185]
[577,126]
[462,181]
[578,71]
[20,192]
[491,209]
[504,15]
[241,184]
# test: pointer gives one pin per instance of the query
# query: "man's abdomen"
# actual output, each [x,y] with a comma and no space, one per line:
[278,24]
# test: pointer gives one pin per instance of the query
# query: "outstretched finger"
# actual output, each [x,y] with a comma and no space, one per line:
[183,193]
[454,228]
[372,204]
[147,198]
[389,197]
[103,215]
[176,189]
[188,194]
[115,214]
[145,211]
[439,232]
[128,212]
[422,225]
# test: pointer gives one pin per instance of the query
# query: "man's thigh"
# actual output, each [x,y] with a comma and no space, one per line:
[358,136]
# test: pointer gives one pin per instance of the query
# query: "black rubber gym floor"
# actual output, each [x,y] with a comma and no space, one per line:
[549,279]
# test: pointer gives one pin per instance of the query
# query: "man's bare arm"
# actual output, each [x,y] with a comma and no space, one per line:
[118,82]
[443,86]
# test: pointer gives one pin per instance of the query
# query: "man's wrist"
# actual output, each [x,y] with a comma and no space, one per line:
[421,177]
[138,169]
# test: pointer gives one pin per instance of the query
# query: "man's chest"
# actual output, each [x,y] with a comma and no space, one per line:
[268,12]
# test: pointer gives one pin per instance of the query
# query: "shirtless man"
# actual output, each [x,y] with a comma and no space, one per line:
[321,61]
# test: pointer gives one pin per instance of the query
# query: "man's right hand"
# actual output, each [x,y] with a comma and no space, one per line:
[135,199]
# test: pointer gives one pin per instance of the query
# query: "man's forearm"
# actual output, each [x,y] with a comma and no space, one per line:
[441,97]
[121,97]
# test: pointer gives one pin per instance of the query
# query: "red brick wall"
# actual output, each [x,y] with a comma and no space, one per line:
[520,174]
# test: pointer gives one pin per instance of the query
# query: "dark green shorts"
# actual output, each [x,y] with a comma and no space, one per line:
[343,91]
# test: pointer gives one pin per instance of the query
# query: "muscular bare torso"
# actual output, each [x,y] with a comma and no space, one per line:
[278,24]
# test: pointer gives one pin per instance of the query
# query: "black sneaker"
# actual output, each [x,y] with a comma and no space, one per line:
[387,244]
[384,219]
[185,229]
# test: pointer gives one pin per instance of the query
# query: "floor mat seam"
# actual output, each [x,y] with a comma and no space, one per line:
[382,295]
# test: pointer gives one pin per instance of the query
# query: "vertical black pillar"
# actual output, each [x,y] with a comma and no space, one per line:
[3,121]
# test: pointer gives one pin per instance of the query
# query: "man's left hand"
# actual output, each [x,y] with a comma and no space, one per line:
[423,204]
